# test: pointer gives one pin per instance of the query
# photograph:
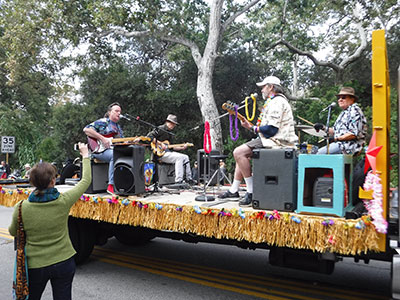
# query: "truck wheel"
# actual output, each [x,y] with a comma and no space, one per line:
[81,233]
[133,236]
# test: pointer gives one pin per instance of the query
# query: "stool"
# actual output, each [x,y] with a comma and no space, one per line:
[99,176]
[166,173]
[324,184]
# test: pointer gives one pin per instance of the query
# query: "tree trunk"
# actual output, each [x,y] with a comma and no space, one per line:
[205,66]
[207,105]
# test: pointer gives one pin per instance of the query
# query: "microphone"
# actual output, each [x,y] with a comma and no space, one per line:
[333,104]
[124,117]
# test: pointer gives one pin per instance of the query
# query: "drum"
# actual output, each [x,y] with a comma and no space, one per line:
[313,132]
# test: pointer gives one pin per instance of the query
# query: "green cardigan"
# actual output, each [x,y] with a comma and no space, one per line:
[46,225]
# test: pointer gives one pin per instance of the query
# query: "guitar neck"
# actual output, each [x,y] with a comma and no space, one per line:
[231,111]
[240,117]
[180,145]
[130,139]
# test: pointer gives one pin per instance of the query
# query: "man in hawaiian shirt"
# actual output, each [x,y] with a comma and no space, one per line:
[101,131]
[347,135]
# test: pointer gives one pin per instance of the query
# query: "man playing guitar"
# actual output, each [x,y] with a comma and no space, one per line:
[181,161]
[100,133]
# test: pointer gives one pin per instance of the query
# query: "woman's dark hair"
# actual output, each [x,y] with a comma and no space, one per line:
[41,175]
[109,108]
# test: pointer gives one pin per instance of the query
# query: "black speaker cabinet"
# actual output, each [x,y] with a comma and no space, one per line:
[166,174]
[129,170]
[275,179]
[99,177]
[207,166]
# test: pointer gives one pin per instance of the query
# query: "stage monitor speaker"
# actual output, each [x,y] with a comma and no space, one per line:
[275,179]
[129,170]
[99,177]
[207,166]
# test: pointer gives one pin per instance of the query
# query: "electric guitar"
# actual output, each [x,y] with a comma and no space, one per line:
[159,151]
[97,146]
[230,108]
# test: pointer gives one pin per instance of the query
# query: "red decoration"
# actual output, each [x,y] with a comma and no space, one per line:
[370,156]
[207,138]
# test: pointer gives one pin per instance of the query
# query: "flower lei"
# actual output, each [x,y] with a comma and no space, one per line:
[247,108]
[236,126]
[207,138]
[263,108]
[374,206]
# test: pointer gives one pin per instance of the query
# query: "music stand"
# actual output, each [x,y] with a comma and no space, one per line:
[204,197]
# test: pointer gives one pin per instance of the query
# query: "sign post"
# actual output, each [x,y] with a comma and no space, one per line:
[7,145]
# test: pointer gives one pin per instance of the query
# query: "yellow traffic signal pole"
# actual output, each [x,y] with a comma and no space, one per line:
[381,117]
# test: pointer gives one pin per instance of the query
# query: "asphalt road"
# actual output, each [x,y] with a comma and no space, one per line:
[167,269]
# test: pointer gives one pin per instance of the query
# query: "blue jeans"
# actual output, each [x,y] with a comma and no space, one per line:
[60,276]
[333,149]
[107,155]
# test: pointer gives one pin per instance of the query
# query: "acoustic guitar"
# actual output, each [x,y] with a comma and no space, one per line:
[159,151]
[230,108]
[96,146]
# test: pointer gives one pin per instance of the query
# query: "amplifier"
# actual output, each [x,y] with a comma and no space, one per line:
[166,174]
[323,192]
[207,165]
[99,177]
[275,179]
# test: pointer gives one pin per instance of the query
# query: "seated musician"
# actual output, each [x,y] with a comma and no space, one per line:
[275,129]
[347,135]
[160,137]
[99,135]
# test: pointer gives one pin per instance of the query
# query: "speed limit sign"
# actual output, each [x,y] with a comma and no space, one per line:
[7,144]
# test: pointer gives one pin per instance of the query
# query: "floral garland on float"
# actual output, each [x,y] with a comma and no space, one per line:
[271,227]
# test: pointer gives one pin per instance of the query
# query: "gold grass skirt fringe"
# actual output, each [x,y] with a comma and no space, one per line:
[347,237]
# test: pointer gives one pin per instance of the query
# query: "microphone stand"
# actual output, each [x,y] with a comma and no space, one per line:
[219,117]
[137,119]
[327,128]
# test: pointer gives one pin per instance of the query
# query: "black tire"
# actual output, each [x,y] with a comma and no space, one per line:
[82,235]
[133,236]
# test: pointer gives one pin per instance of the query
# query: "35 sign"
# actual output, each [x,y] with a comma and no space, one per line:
[7,144]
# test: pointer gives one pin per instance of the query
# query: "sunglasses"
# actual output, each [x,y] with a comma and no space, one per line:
[342,97]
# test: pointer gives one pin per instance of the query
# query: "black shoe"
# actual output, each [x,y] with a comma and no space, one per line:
[192,182]
[228,194]
[246,201]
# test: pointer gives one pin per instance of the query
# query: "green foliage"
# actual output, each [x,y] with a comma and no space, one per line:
[394,139]
[46,151]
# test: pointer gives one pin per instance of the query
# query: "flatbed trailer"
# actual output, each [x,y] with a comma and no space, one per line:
[304,241]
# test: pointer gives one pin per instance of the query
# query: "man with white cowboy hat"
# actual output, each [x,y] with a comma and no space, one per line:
[275,129]
[181,161]
[347,135]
